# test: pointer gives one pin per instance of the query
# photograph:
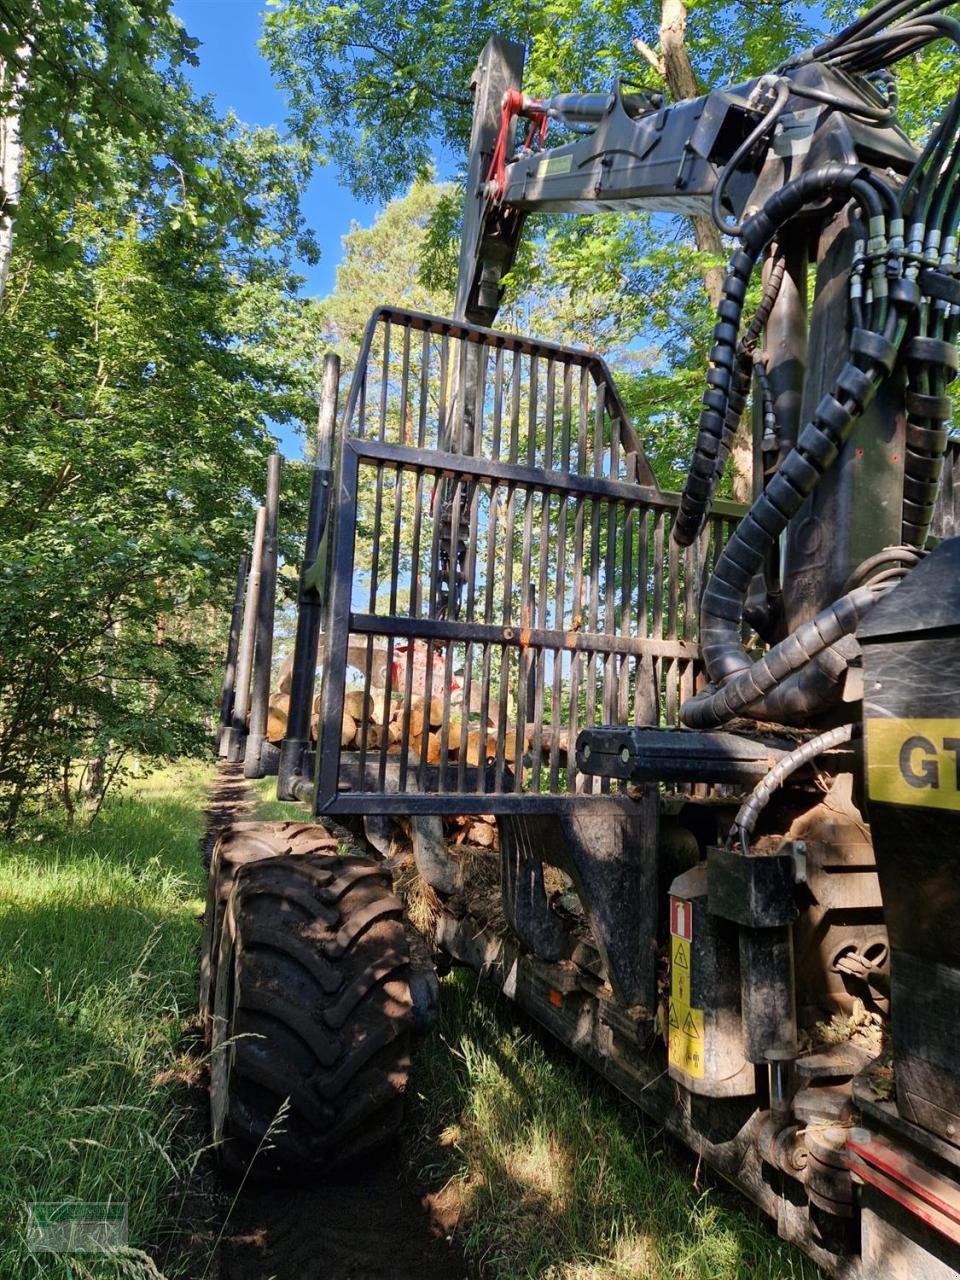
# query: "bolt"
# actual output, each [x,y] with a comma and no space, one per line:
[625,755]
[951,1130]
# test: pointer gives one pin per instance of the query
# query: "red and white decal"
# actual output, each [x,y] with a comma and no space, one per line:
[681,919]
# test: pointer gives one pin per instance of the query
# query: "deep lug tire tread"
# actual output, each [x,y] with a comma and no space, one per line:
[238,845]
[312,1005]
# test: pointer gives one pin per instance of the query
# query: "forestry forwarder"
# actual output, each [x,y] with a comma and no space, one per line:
[701,912]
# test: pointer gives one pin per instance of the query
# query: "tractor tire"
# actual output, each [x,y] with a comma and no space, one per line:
[312,1017]
[239,844]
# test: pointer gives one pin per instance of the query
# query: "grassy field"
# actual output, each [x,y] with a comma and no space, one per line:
[98,954]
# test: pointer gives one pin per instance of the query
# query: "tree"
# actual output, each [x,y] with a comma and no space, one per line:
[79,81]
[143,356]
[382,263]
[407,258]
[376,87]
[13,81]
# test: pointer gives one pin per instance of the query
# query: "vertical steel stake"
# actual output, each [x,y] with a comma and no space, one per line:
[263,648]
[230,665]
[237,734]
[310,603]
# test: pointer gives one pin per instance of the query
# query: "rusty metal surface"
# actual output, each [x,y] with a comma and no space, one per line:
[842,917]
[930,1196]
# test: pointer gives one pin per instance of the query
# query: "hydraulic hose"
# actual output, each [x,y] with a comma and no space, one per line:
[874,21]
[876,115]
[890,46]
[745,363]
[905,308]
[772,681]
[829,181]
[744,824]
[761,130]
[929,352]
[786,684]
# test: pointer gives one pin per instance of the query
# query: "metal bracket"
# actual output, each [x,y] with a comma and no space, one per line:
[608,847]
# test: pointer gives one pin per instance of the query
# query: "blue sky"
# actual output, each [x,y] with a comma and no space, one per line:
[232,69]
[234,72]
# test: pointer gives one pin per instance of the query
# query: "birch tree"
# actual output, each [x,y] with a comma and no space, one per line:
[13,79]
[82,84]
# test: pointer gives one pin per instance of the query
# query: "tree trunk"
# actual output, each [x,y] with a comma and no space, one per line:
[682,83]
[95,778]
[13,82]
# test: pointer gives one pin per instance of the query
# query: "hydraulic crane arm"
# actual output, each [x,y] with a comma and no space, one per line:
[812,168]
[640,153]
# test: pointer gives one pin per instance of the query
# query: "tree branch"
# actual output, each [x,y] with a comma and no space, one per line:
[653,58]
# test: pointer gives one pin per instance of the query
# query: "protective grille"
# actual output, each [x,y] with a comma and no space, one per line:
[501,575]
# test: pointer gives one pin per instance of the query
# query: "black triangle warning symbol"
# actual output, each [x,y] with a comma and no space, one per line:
[690,1028]
[680,957]
[673,1019]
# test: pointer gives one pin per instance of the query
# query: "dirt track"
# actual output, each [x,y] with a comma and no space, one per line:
[375,1226]
[378,1223]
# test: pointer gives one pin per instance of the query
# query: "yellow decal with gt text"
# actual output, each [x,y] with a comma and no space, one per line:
[685,1044]
[914,762]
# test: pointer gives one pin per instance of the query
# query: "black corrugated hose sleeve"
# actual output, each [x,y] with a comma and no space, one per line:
[770,675]
[742,374]
[746,819]
[874,355]
[830,180]
[931,364]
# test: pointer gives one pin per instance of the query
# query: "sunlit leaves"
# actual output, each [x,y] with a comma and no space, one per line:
[150,336]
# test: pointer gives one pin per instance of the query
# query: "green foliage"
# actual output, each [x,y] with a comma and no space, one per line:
[383,264]
[97,75]
[376,86]
[150,333]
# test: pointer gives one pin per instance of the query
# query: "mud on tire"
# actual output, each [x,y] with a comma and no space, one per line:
[312,1016]
[239,844]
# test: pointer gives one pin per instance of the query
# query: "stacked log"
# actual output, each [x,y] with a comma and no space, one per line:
[465,740]
[369,713]
[278,711]
[472,828]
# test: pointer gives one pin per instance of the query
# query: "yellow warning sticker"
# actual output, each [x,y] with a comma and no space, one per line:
[680,972]
[914,762]
[685,1043]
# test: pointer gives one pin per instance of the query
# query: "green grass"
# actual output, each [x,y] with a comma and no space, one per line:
[98,954]
[266,806]
[557,1177]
